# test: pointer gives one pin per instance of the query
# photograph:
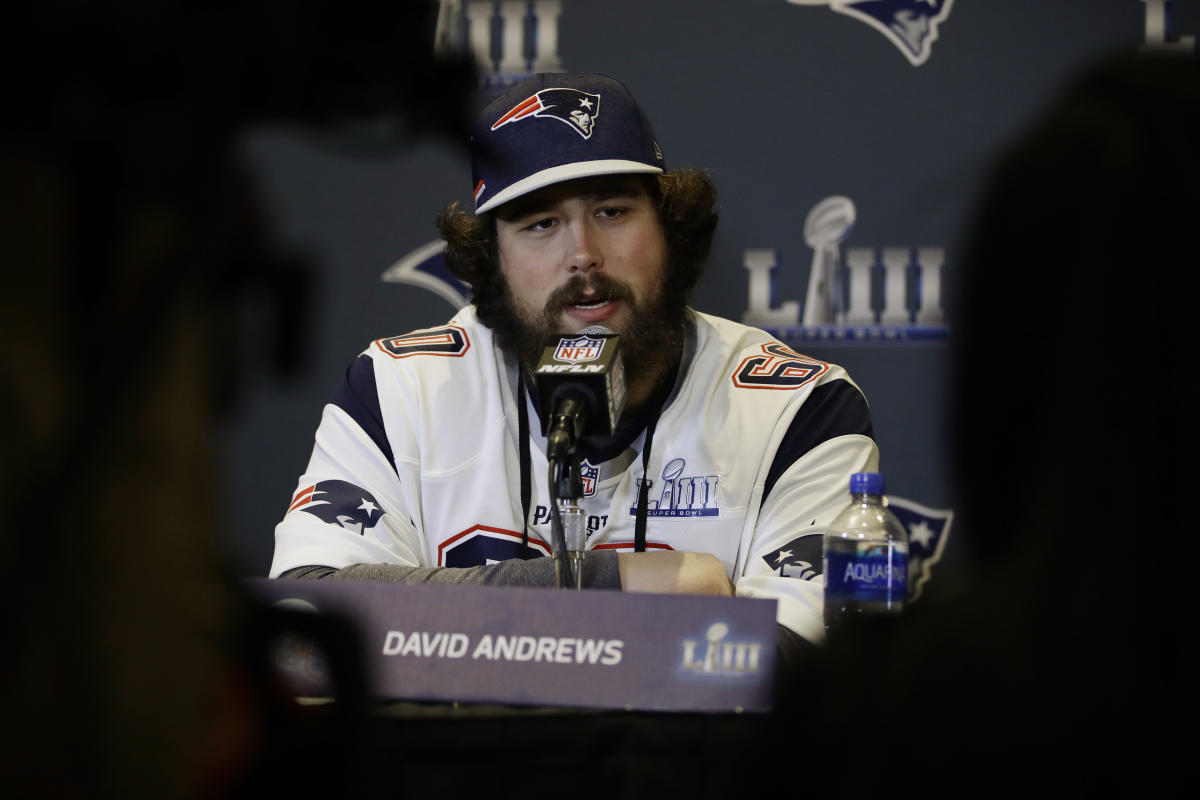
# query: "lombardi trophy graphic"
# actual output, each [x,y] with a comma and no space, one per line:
[824,229]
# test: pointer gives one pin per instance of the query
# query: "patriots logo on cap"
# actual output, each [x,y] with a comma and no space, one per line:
[572,107]
[339,503]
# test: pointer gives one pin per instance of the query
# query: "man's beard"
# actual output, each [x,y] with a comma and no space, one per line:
[651,337]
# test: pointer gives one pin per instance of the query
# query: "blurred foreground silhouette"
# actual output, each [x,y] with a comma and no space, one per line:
[1061,662]
[129,235]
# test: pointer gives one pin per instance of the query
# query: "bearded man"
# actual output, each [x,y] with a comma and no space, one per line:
[731,450]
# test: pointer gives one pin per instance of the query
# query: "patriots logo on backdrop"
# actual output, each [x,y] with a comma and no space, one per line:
[426,267]
[911,25]
[578,349]
[928,530]
[572,107]
[801,558]
[339,503]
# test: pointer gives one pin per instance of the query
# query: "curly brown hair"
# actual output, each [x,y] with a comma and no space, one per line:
[686,202]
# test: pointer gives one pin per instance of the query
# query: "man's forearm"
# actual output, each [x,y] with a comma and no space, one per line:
[600,571]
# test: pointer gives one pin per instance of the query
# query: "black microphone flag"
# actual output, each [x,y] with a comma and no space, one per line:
[582,374]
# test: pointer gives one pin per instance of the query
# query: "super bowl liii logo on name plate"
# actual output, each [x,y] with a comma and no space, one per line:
[717,654]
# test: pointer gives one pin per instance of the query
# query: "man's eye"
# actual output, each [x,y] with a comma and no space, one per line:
[609,212]
[540,225]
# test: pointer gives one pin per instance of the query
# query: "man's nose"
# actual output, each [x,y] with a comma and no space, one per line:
[584,254]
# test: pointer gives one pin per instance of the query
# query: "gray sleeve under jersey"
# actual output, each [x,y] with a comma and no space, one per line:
[600,571]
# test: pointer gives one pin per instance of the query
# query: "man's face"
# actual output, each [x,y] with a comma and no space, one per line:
[580,253]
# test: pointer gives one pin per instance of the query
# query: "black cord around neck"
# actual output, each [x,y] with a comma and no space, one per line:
[526,485]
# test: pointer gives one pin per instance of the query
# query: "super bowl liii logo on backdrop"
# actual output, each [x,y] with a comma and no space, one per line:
[509,39]
[872,293]
[1159,36]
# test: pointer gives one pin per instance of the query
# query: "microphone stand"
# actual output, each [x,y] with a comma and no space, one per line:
[567,524]
[574,526]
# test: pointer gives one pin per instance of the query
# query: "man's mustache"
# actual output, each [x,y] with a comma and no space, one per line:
[578,289]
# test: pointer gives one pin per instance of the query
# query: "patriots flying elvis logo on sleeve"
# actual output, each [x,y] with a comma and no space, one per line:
[800,558]
[339,503]
[572,107]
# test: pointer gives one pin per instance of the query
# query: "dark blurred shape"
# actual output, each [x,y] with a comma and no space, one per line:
[319,749]
[1074,312]
[1060,664]
[130,236]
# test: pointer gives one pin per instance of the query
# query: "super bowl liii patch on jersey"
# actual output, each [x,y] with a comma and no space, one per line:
[681,495]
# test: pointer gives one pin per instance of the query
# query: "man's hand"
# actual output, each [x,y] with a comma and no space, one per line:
[673,572]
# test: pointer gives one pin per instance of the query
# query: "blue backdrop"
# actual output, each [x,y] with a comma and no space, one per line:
[898,107]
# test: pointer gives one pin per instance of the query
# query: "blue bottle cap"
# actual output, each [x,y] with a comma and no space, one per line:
[868,482]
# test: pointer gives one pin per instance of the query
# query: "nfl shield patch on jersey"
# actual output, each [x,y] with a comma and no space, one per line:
[589,476]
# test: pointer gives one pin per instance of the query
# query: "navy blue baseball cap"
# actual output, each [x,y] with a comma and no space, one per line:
[556,127]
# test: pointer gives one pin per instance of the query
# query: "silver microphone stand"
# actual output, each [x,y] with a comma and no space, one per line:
[569,487]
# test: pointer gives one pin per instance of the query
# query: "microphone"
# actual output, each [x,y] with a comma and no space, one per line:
[580,380]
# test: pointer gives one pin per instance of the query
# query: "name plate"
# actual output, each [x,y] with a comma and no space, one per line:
[523,646]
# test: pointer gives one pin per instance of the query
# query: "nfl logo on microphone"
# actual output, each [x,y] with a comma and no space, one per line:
[581,348]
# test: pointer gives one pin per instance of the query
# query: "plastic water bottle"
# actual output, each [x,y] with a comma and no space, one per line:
[866,556]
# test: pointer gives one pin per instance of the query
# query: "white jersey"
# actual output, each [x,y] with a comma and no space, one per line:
[417,463]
